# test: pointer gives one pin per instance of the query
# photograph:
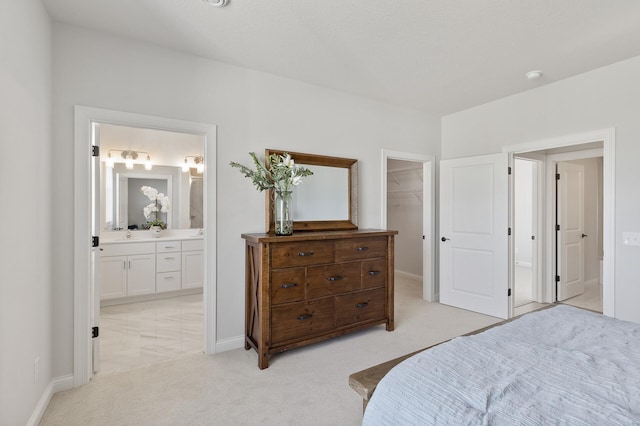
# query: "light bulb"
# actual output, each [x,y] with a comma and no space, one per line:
[109,162]
[128,162]
[185,166]
[147,164]
[200,167]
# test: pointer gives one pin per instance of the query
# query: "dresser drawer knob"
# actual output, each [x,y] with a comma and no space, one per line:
[305,317]
[288,285]
[362,305]
[362,248]
[374,272]
[305,253]
[336,278]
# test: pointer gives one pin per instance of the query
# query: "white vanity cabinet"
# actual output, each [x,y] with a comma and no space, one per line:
[127,269]
[192,264]
[150,270]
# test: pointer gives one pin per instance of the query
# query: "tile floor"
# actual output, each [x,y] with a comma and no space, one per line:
[137,334]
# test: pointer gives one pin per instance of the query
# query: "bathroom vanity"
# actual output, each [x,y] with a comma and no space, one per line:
[144,268]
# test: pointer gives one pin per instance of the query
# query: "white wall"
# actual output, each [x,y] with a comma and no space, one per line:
[604,98]
[252,110]
[25,184]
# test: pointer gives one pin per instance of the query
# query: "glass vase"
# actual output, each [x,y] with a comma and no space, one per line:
[282,212]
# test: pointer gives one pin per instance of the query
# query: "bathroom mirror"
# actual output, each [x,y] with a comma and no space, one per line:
[122,201]
[326,200]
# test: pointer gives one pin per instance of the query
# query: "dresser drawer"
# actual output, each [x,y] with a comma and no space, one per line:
[168,246]
[301,319]
[168,262]
[168,281]
[287,285]
[358,307]
[374,273]
[302,253]
[333,279]
[361,248]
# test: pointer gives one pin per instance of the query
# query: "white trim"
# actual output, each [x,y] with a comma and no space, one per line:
[607,137]
[408,275]
[58,384]
[229,344]
[84,117]
[429,284]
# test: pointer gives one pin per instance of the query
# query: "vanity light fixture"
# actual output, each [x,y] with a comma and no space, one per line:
[197,161]
[129,158]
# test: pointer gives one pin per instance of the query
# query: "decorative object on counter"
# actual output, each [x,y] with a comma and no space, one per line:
[159,204]
[281,174]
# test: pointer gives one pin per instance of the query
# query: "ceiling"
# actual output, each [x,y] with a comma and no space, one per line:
[438,56]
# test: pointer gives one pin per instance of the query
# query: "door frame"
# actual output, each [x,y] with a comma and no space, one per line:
[84,117]
[429,264]
[607,137]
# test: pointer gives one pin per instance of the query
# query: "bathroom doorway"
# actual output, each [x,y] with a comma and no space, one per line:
[87,227]
[149,284]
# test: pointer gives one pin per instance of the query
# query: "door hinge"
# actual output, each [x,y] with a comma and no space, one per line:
[509,292]
[95,241]
[557,227]
[533,237]
[95,332]
[423,237]
[557,176]
[95,151]
[557,278]
[509,170]
[509,231]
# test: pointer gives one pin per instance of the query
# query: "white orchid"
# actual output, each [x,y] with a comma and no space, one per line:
[151,211]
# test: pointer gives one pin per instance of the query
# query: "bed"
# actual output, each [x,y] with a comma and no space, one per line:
[561,365]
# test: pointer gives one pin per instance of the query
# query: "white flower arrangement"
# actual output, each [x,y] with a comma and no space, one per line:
[151,211]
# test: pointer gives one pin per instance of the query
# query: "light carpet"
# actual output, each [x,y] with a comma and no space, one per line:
[305,386]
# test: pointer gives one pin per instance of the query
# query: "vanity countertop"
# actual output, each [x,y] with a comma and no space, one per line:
[119,237]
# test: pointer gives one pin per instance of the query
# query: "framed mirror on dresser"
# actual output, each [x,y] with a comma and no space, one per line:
[327,200]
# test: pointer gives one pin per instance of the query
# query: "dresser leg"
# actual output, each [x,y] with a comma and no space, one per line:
[390,325]
[263,361]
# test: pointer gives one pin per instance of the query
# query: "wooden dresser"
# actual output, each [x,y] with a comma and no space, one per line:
[312,286]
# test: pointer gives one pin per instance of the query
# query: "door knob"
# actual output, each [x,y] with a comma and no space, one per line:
[443,239]
[584,235]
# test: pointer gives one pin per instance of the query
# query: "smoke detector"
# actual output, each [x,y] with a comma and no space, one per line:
[216,3]
[533,75]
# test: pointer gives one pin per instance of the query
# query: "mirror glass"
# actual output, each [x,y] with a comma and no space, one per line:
[326,200]
[123,201]
[323,195]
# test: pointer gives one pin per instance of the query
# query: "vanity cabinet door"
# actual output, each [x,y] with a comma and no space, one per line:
[192,269]
[113,277]
[141,274]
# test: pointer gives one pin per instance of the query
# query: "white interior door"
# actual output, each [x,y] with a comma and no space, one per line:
[474,241]
[570,218]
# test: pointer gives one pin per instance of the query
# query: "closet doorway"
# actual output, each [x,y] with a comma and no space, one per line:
[407,207]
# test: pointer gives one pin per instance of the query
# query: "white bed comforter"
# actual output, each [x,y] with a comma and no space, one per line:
[561,366]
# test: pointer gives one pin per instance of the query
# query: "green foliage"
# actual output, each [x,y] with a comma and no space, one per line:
[279,173]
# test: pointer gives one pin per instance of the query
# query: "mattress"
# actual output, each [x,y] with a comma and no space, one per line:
[561,365]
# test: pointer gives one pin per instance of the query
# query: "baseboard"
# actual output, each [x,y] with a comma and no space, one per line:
[230,344]
[56,385]
[593,281]
[409,275]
